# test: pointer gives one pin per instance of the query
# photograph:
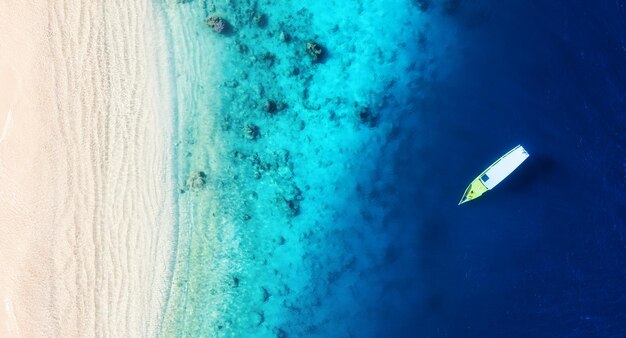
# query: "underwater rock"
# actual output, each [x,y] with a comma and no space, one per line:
[270,106]
[252,131]
[258,166]
[260,20]
[315,51]
[290,201]
[239,155]
[366,116]
[266,294]
[284,37]
[196,181]
[281,240]
[268,59]
[234,283]
[259,90]
[231,84]
[292,306]
[282,164]
[292,206]
[242,48]
[259,318]
[218,24]
[283,157]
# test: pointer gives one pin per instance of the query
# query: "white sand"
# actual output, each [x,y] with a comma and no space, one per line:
[86,213]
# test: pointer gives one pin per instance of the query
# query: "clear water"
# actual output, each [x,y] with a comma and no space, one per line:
[263,246]
[335,221]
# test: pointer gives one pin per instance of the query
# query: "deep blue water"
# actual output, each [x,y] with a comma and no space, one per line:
[544,254]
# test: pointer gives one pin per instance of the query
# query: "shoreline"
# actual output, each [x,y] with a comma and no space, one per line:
[86,170]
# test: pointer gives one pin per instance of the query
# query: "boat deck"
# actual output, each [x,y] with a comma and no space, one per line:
[495,173]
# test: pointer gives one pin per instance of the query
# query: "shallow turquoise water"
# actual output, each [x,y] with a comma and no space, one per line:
[265,244]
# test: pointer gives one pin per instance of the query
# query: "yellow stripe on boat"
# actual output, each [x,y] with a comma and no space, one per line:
[495,173]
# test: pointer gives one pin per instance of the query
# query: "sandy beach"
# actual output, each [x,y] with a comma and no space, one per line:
[86,211]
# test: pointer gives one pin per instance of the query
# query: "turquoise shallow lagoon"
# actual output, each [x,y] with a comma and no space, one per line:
[277,235]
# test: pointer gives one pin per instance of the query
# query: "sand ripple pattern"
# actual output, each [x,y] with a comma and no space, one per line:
[110,125]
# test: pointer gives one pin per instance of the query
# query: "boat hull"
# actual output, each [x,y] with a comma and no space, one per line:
[495,173]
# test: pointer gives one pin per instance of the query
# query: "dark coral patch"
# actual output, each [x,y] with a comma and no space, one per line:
[366,116]
[315,51]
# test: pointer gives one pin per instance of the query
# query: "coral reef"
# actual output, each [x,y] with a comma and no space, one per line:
[217,23]
[196,181]
[315,51]
[252,131]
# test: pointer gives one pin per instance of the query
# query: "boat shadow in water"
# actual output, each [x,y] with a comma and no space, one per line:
[534,170]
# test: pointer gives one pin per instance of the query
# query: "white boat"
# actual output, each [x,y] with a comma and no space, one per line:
[495,173]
